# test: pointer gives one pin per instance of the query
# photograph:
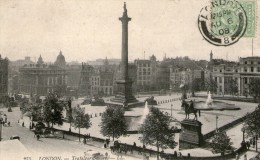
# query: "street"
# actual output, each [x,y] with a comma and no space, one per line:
[45,146]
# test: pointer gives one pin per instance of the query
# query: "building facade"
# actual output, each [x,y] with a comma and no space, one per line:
[40,79]
[184,76]
[238,75]
[3,77]
[146,74]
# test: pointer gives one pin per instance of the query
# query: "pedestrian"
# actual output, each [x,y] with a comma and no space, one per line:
[237,156]
[106,154]
[23,124]
[245,157]
[9,124]
[84,140]
[248,144]
[180,154]
[134,144]
[175,154]
[253,143]
[38,137]
[105,145]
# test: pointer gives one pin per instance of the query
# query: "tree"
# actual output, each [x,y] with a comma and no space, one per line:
[113,123]
[232,87]
[211,85]
[80,119]
[52,111]
[254,88]
[156,130]
[195,85]
[221,142]
[252,124]
[69,111]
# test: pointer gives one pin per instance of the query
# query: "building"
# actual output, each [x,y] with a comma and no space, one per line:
[60,61]
[85,79]
[146,74]
[40,79]
[185,76]
[3,77]
[97,80]
[107,78]
[73,78]
[234,77]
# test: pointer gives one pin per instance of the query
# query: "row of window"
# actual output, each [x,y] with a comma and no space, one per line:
[144,65]
[251,62]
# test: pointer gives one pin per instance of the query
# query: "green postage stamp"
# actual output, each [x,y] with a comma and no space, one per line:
[224,22]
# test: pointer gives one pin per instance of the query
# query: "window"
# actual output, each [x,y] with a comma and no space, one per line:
[245,62]
[252,62]
[245,80]
[220,79]
[216,79]
[245,69]
[236,70]
[252,69]
[258,69]
[220,70]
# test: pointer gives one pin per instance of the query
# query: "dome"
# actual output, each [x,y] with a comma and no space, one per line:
[40,60]
[60,61]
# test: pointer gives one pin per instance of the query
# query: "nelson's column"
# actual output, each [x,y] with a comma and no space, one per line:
[125,96]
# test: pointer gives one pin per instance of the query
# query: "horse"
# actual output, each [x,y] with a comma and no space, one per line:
[189,108]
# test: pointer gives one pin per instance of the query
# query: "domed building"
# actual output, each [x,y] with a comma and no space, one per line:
[60,61]
[40,79]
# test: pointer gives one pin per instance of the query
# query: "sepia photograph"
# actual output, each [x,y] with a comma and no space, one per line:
[129,79]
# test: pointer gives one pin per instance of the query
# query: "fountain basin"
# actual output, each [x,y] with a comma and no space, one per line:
[215,105]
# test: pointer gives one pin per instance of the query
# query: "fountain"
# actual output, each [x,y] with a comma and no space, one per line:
[135,120]
[145,113]
[209,100]
[211,104]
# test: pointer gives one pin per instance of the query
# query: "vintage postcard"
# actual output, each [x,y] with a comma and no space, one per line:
[129,79]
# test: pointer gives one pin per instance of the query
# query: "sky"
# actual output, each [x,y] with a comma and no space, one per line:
[87,30]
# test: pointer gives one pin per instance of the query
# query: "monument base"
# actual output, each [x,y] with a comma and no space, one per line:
[129,105]
[191,136]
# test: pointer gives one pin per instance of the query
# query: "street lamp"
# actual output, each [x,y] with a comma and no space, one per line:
[216,123]
[171,110]
[79,118]
[243,130]
[1,124]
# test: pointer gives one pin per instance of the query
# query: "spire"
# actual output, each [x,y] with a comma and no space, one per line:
[106,62]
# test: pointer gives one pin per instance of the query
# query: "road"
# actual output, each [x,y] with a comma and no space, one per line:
[46,146]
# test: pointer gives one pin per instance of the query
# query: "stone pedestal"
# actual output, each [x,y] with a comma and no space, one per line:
[190,136]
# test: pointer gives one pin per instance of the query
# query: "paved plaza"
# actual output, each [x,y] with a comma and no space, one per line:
[169,103]
[207,118]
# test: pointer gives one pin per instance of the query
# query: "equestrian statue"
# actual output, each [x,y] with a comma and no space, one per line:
[189,108]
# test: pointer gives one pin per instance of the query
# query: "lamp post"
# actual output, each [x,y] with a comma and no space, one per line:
[52,111]
[216,123]
[171,110]
[1,124]
[79,125]
[243,130]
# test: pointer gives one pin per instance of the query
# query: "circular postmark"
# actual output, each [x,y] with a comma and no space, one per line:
[222,22]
